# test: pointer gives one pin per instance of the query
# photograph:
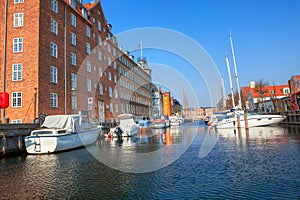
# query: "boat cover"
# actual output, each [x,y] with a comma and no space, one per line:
[68,122]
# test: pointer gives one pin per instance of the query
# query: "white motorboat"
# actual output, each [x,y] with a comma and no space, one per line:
[126,124]
[254,120]
[60,133]
[174,121]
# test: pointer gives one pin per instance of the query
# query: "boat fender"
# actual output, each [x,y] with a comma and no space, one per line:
[109,135]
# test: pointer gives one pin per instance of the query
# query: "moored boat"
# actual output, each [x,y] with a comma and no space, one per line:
[159,123]
[60,133]
[127,126]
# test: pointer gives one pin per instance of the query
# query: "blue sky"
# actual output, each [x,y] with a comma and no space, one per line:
[266,35]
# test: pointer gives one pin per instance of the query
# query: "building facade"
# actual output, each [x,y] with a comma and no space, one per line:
[60,57]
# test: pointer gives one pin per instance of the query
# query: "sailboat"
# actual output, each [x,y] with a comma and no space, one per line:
[230,118]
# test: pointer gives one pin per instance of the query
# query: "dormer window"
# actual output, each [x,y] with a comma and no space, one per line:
[84,13]
[286,90]
[73,4]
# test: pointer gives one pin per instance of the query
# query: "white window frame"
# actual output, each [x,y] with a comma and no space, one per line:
[17,72]
[100,72]
[53,100]
[53,74]
[88,48]
[109,76]
[99,25]
[18,1]
[116,108]
[88,31]
[88,85]
[111,107]
[99,40]
[54,6]
[16,99]
[109,91]
[53,49]
[18,19]
[17,45]
[73,59]
[73,39]
[116,93]
[99,55]
[73,20]
[74,102]
[88,66]
[100,89]
[73,81]
[54,27]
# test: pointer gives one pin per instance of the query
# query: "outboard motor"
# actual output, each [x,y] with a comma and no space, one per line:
[119,132]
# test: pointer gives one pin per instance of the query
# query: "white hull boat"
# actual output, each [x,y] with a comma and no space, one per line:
[62,132]
[127,125]
[253,121]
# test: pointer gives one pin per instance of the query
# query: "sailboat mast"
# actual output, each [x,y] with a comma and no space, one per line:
[230,81]
[235,70]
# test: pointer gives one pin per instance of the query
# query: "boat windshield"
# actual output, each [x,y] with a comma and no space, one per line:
[42,132]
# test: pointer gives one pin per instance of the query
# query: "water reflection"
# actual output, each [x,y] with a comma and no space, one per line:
[263,165]
[150,150]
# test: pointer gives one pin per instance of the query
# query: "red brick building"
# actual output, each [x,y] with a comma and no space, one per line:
[59,57]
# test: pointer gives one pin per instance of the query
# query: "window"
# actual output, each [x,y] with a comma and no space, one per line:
[99,40]
[53,49]
[109,76]
[53,74]
[74,102]
[99,25]
[17,45]
[73,20]
[73,39]
[73,81]
[88,85]
[18,19]
[53,100]
[109,92]
[116,93]
[54,6]
[73,4]
[116,108]
[18,1]
[88,48]
[100,71]
[54,26]
[16,121]
[84,13]
[115,78]
[115,65]
[17,72]
[114,52]
[108,47]
[99,55]
[88,31]
[108,61]
[73,59]
[100,89]
[286,91]
[16,99]
[110,107]
[88,66]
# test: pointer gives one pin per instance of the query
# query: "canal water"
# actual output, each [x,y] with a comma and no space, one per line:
[186,162]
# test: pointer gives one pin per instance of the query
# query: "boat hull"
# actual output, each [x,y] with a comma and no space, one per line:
[51,143]
[253,121]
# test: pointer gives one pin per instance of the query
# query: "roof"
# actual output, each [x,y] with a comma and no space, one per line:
[90,5]
[269,91]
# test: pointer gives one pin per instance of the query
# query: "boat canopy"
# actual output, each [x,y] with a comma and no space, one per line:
[68,122]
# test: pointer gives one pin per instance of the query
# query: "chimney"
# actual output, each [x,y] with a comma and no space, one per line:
[252,84]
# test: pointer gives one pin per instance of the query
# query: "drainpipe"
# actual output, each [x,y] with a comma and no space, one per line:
[4,56]
[65,54]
